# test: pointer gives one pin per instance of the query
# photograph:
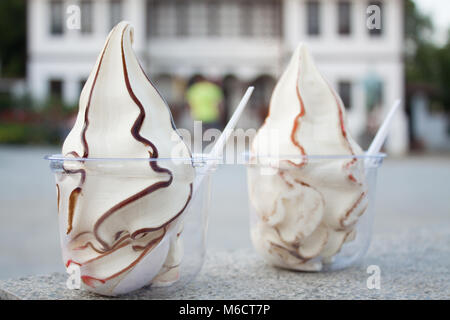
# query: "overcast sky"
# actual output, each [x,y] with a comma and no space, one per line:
[439,10]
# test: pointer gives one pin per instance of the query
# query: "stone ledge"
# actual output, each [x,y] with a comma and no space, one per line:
[414,265]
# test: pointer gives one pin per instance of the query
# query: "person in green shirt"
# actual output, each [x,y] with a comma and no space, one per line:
[205,101]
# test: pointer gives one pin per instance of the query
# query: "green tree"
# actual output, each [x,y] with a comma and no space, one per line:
[420,63]
[12,38]
[443,76]
[426,63]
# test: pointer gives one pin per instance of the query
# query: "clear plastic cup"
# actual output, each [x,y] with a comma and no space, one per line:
[164,258]
[312,213]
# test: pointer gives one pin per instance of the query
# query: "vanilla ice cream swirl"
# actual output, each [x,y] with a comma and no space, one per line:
[115,213]
[307,209]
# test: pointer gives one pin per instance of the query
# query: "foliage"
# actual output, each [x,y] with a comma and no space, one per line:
[443,78]
[12,38]
[44,124]
[426,63]
[24,133]
[418,27]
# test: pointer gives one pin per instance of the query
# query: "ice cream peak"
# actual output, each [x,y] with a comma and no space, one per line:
[307,113]
[307,210]
[117,215]
[120,110]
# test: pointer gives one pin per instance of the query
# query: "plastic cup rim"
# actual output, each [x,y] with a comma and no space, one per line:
[376,156]
[194,158]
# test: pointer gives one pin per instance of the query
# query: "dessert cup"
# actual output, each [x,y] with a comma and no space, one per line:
[354,245]
[188,229]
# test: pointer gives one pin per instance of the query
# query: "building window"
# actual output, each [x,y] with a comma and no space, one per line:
[86,16]
[201,18]
[181,7]
[115,12]
[260,18]
[197,15]
[377,32]
[345,92]
[344,17]
[161,18]
[213,18]
[81,84]
[374,91]
[152,18]
[246,18]
[229,18]
[266,18]
[55,88]
[56,17]
[313,18]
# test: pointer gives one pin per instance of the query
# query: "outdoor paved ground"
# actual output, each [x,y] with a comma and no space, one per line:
[412,198]
[413,264]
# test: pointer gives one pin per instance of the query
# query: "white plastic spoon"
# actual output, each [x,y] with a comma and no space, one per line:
[217,150]
[382,133]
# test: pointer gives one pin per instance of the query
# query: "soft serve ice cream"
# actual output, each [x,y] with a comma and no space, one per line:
[122,220]
[307,208]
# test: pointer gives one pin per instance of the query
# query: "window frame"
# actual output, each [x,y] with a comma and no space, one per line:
[375,33]
[182,19]
[347,97]
[344,29]
[87,6]
[112,19]
[51,88]
[56,30]
[309,28]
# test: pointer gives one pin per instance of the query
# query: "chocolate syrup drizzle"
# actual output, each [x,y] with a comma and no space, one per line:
[58,195]
[76,192]
[297,124]
[344,135]
[135,131]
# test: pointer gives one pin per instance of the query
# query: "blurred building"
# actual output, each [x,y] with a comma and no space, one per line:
[234,42]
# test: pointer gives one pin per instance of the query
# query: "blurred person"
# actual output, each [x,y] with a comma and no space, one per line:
[205,100]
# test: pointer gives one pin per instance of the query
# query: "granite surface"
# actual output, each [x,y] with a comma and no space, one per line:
[414,265]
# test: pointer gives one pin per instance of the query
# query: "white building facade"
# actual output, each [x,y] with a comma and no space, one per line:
[236,42]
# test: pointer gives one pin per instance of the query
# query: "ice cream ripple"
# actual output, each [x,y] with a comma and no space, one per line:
[117,212]
[306,210]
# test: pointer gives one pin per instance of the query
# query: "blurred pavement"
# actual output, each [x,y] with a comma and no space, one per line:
[412,193]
